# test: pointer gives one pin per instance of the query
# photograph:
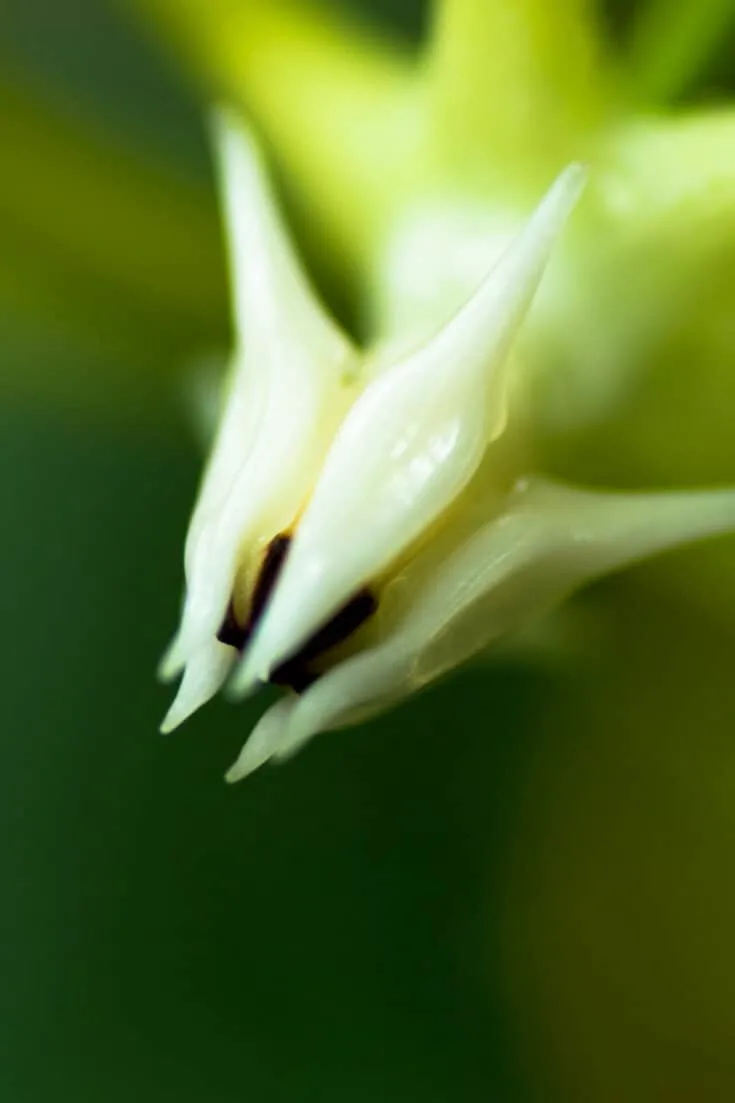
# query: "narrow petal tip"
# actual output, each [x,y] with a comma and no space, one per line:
[572,182]
[264,742]
[204,674]
[247,679]
[245,682]
[170,722]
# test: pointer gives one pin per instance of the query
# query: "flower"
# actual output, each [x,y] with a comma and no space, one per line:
[372,516]
[369,519]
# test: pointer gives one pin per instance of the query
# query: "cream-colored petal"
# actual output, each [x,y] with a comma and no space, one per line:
[289,388]
[265,740]
[550,540]
[273,300]
[409,446]
[205,673]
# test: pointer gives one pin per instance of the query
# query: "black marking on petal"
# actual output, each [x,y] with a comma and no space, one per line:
[271,567]
[293,675]
[231,631]
[296,671]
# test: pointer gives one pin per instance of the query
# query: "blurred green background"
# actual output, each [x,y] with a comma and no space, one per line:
[506,890]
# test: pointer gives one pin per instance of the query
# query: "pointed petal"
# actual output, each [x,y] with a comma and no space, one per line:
[264,741]
[287,393]
[408,447]
[550,541]
[273,300]
[205,673]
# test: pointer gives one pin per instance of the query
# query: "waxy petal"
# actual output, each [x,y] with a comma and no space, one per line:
[265,741]
[291,384]
[204,675]
[549,540]
[408,447]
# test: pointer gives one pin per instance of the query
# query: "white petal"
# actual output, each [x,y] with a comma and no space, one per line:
[206,671]
[408,446]
[551,540]
[273,301]
[265,740]
[287,393]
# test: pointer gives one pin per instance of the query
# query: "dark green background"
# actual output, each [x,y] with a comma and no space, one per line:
[322,932]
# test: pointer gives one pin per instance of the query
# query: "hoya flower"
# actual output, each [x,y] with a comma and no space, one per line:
[524,229]
[371,517]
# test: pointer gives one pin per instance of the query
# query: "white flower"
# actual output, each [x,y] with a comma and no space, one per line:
[367,522]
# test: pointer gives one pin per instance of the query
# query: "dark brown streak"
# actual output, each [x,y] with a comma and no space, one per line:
[296,672]
[231,631]
[275,556]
